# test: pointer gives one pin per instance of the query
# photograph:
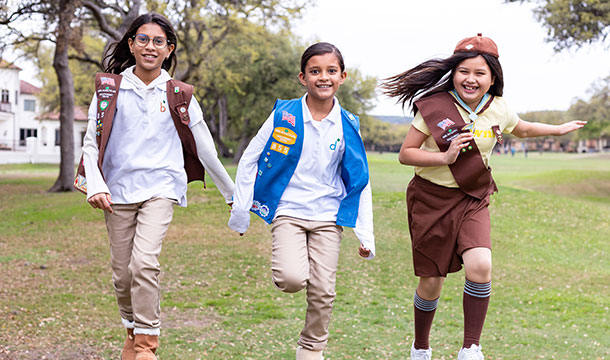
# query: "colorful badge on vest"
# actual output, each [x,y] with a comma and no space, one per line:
[286,116]
[284,135]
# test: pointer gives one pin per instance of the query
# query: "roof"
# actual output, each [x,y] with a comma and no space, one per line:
[8,65]
[80,114]
[27,88]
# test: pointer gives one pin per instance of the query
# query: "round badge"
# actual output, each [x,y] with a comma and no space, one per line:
[103,104]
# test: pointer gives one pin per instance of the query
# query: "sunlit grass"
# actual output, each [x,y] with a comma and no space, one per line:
[551,296]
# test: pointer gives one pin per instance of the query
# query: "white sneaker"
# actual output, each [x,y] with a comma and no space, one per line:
[472,353]
[420,354]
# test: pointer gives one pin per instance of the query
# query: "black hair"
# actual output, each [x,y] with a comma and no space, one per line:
[321,48]
[118,56]
[436,75]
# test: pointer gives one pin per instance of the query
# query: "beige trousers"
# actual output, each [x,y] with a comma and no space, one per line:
[305,254]
[136,232]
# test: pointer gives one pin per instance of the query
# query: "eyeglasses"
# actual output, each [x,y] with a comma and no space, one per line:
[142,40]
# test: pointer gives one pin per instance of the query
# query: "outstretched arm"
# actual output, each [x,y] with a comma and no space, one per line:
[526,129]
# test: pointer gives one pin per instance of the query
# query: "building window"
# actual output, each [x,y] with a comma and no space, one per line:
[4,97]
[29,105]
[57,137]
[26,133]
[16,97]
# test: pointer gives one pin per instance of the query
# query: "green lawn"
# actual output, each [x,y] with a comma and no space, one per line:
[550,299]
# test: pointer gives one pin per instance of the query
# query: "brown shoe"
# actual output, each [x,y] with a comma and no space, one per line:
[128,352]
[146,346]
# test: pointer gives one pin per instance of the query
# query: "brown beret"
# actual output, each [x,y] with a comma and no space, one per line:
[477,44]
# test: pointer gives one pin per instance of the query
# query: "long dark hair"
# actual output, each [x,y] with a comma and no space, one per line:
[321,48]
[118,57]
[436,75]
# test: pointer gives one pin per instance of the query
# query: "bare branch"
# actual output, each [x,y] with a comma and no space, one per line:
[96,11]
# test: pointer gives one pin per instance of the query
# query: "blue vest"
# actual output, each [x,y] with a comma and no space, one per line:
[281,155]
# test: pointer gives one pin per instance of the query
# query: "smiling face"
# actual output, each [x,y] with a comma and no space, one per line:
[472,79]
[322,77]
[149,58]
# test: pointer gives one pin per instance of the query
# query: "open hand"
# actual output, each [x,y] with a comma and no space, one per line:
[571,126]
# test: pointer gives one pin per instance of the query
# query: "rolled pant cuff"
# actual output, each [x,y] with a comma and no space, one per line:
[320,346]
[143,331]
[128,324]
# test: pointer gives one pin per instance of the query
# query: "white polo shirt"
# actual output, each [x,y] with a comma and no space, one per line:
[143,157]
[315,190]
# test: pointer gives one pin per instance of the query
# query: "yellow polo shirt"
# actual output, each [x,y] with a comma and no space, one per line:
[498,113]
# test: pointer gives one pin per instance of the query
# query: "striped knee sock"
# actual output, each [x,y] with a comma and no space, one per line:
[476,300]
[424,314]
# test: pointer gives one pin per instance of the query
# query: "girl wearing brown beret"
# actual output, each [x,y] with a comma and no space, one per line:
[460,115]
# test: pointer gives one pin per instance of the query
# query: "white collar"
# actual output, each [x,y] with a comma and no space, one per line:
[134,82]
[334,115]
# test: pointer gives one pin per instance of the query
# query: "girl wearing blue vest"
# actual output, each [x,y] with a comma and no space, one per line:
[459,117]
[137,165]
[306,174]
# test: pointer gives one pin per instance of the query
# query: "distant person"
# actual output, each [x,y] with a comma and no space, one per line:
[137,165]
[512,151]
[459,116]
[306,174]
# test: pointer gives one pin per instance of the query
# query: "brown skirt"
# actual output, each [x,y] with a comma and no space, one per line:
[444,222]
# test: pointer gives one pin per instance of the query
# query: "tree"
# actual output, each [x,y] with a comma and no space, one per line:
[61,22]
[573,23]
[58,15]
[596,111]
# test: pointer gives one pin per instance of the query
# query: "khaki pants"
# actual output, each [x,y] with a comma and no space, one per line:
[305,254]
[136,232]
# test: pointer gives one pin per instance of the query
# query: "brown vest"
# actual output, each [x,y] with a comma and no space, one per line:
[178,98]
[445,122]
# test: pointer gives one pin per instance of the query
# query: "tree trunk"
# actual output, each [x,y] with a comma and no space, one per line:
[244,140]
[222,116]
[215,128]
[66,98]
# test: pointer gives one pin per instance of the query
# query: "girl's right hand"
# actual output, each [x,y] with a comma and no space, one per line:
[457,144]
[101,201]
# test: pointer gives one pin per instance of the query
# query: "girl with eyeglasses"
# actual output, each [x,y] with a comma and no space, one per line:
[141,168]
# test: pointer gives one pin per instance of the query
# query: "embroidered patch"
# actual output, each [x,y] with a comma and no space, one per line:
[286,116]
[469,46]
[103,104]
[176,89]
[107,81]
[351,117]
[282,149]
[444,124]
[264,210]
[284,135]
[333,147]
[255,205]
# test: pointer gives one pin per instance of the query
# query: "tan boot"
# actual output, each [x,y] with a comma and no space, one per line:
[304,354]
[128,352]
[146,346]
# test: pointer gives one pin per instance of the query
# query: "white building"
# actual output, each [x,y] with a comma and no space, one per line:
[28,132]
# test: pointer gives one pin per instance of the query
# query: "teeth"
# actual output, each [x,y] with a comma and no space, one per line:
[323,86]
[470,87]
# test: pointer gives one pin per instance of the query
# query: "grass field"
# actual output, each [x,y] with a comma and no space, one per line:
[550,298]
